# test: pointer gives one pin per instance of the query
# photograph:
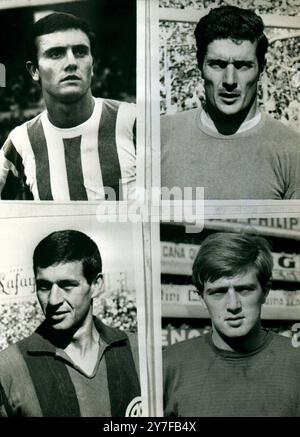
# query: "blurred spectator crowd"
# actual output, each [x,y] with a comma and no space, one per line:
[285,7]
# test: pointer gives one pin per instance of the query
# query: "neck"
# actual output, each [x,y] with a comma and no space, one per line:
[83,348]
[244,344]
[70,114]
[230,124]
[85,337]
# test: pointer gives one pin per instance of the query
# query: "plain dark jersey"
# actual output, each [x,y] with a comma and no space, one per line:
[202,380]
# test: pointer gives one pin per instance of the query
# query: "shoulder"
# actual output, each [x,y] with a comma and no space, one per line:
[17,135]
[123,113]
[285,352]
[113,335]
[116,104]
[118,338]
[285,344]
[175,128]
[26,124]
[108,333]
[179,117]
[7,355]
[11,359]
[184,350]
[277,129]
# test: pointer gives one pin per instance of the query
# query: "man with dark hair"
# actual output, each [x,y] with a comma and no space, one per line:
[239,368]
[230,147]
[73,364]
[80,147]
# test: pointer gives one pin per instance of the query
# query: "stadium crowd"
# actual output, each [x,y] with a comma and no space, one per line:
[286,7]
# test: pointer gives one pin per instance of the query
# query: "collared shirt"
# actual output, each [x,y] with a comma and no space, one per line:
[37,379]
[91,390]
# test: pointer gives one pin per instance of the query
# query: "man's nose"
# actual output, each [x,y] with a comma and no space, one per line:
[71,60]
[55,296]
[229,77]
[233,303]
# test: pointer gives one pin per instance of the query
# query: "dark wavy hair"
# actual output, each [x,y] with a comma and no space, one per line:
[67,246]
[56,22]
[225,254]
[234,23]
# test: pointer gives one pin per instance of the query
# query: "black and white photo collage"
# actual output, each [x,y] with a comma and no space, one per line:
[149,211]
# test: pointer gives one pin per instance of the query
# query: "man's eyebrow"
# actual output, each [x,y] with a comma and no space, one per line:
[219,289]
[64,47]
[80,46]
[212,58]
[248,286]
[223,289]
[54,48]
[244,61]
[67,281]
[42,281]
[216,58]
[61,282]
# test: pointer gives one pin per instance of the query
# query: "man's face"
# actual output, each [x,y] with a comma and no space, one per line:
[64,294]
[65,64]
[231,72]
[234,304]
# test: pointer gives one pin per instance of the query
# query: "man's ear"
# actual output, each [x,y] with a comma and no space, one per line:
[97,286]
[265,292]
[33,71]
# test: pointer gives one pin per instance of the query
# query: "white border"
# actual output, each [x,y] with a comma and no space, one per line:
[149,132]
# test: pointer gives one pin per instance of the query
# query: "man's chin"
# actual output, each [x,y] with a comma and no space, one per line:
[74,98]
[237,335]
[229,110]
[71,96]
[235,332]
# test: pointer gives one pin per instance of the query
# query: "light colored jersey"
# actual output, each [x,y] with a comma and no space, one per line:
[43,162]
[262,162]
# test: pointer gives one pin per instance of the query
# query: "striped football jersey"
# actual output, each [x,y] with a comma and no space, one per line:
[40,161]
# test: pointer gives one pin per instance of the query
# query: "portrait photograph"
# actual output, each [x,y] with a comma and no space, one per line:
[70,343]
[68,100]
[229,98]
[230,318]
